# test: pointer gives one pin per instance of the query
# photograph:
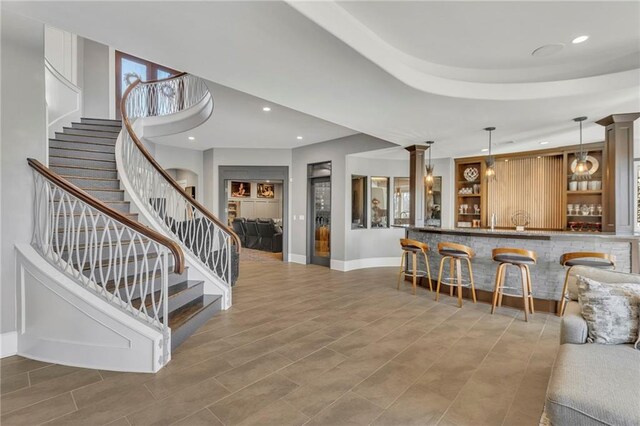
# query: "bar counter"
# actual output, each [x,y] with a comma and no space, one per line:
[547,275]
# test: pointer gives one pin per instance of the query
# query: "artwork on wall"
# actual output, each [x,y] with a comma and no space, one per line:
[266,190]
[240,189]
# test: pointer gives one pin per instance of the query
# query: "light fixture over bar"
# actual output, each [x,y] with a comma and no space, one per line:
[429,167]
[490,170]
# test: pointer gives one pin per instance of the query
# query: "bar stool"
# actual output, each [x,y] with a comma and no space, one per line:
[413,247]
[582,258]
[522,259]
[456,253]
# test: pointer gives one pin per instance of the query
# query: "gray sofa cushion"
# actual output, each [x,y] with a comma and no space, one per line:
[573,328]
[595,385]
[602,275]
[611,310]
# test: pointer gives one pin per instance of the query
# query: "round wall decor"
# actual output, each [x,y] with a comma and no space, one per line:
[471,174]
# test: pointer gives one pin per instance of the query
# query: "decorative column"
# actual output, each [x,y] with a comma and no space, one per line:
[618,173]
[416,184]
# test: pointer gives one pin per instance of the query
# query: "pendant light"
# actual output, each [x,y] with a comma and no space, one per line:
[490,170]
[428,177]
[581,171]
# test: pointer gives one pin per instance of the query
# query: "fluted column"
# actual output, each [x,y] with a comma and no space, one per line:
[416,184]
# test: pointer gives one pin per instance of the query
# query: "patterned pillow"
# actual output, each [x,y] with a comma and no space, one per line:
[611,311]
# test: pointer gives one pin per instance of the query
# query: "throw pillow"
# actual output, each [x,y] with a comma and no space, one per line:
[611,311]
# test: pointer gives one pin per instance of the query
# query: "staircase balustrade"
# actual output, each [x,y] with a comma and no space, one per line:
[211,242]
[121,260]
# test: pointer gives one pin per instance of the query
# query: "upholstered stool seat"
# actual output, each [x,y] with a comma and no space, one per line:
[414,248]
[455,253]
[521,259]
[582,258]
[514,259]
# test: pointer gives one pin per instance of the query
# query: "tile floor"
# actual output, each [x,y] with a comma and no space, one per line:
[307,345]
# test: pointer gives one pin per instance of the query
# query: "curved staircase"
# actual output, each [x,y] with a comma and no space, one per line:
[84,155]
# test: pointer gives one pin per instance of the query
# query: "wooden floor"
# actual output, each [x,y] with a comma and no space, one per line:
[307,345]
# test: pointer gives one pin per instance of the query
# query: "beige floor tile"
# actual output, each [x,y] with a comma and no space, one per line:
[180,404]
[14,382]
[480,403]
[416,406]
[387,384]
[45,390]
[280,413]
[248,401]
[323,391]
[110,408]
[351,343]
[166,384]
[21,365]
[50,372]
[349,409]
[203,417]
[306,369]
[306,345]
[252,351]
[518,418]
[122,421]
[252,371]
[41,412]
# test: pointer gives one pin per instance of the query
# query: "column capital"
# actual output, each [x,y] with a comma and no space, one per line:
[619,118]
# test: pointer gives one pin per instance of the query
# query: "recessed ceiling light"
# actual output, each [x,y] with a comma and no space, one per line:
[543,143]
[547,50]
[484,149]
[191,138]
[299,138]
[266,109]
[580,39]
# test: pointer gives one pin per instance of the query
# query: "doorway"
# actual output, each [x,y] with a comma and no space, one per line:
[253,201]
[319,214]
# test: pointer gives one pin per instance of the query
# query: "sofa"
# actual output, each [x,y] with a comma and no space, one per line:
[259,234]
[593,384]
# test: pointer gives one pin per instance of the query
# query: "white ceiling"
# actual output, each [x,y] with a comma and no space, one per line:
[294,56]
[238,121]
[499,37]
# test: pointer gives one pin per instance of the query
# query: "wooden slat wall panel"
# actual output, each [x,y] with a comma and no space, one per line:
[531,184]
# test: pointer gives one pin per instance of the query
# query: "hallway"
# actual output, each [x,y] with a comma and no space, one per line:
[308,345]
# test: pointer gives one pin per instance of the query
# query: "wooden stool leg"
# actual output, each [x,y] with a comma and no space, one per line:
[503,276]
[451,276]
[564,296]
[401,273]
[496,288]
[426,261]
[440,278]
[415,268]
[530,289]
[459,274]
[525,298]
[473,287]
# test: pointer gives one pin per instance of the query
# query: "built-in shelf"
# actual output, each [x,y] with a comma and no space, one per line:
[469,195]
[468,181]
[584,215]
[589,192]
[469,214]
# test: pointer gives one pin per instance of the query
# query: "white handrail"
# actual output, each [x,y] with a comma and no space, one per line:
[179,215]
[103,254]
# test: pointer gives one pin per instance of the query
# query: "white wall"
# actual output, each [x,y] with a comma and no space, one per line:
[97,74]
[336,152]
[61,50]
[170,157]
[23,135]
[238,157]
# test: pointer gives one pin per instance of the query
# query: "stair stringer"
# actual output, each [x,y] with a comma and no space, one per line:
[61,322]
[197,270]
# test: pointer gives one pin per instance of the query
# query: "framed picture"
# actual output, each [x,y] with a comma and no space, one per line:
[265,190]
[240,189]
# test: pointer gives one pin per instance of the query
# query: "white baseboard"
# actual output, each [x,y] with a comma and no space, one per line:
[8,344]
[371,262]
[298,258]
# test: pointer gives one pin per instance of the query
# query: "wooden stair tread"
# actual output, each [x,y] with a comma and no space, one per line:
[182,315]
[174,290]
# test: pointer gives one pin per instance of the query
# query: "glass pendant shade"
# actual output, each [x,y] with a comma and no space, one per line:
[428,177]
[581,172]
[490,162]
